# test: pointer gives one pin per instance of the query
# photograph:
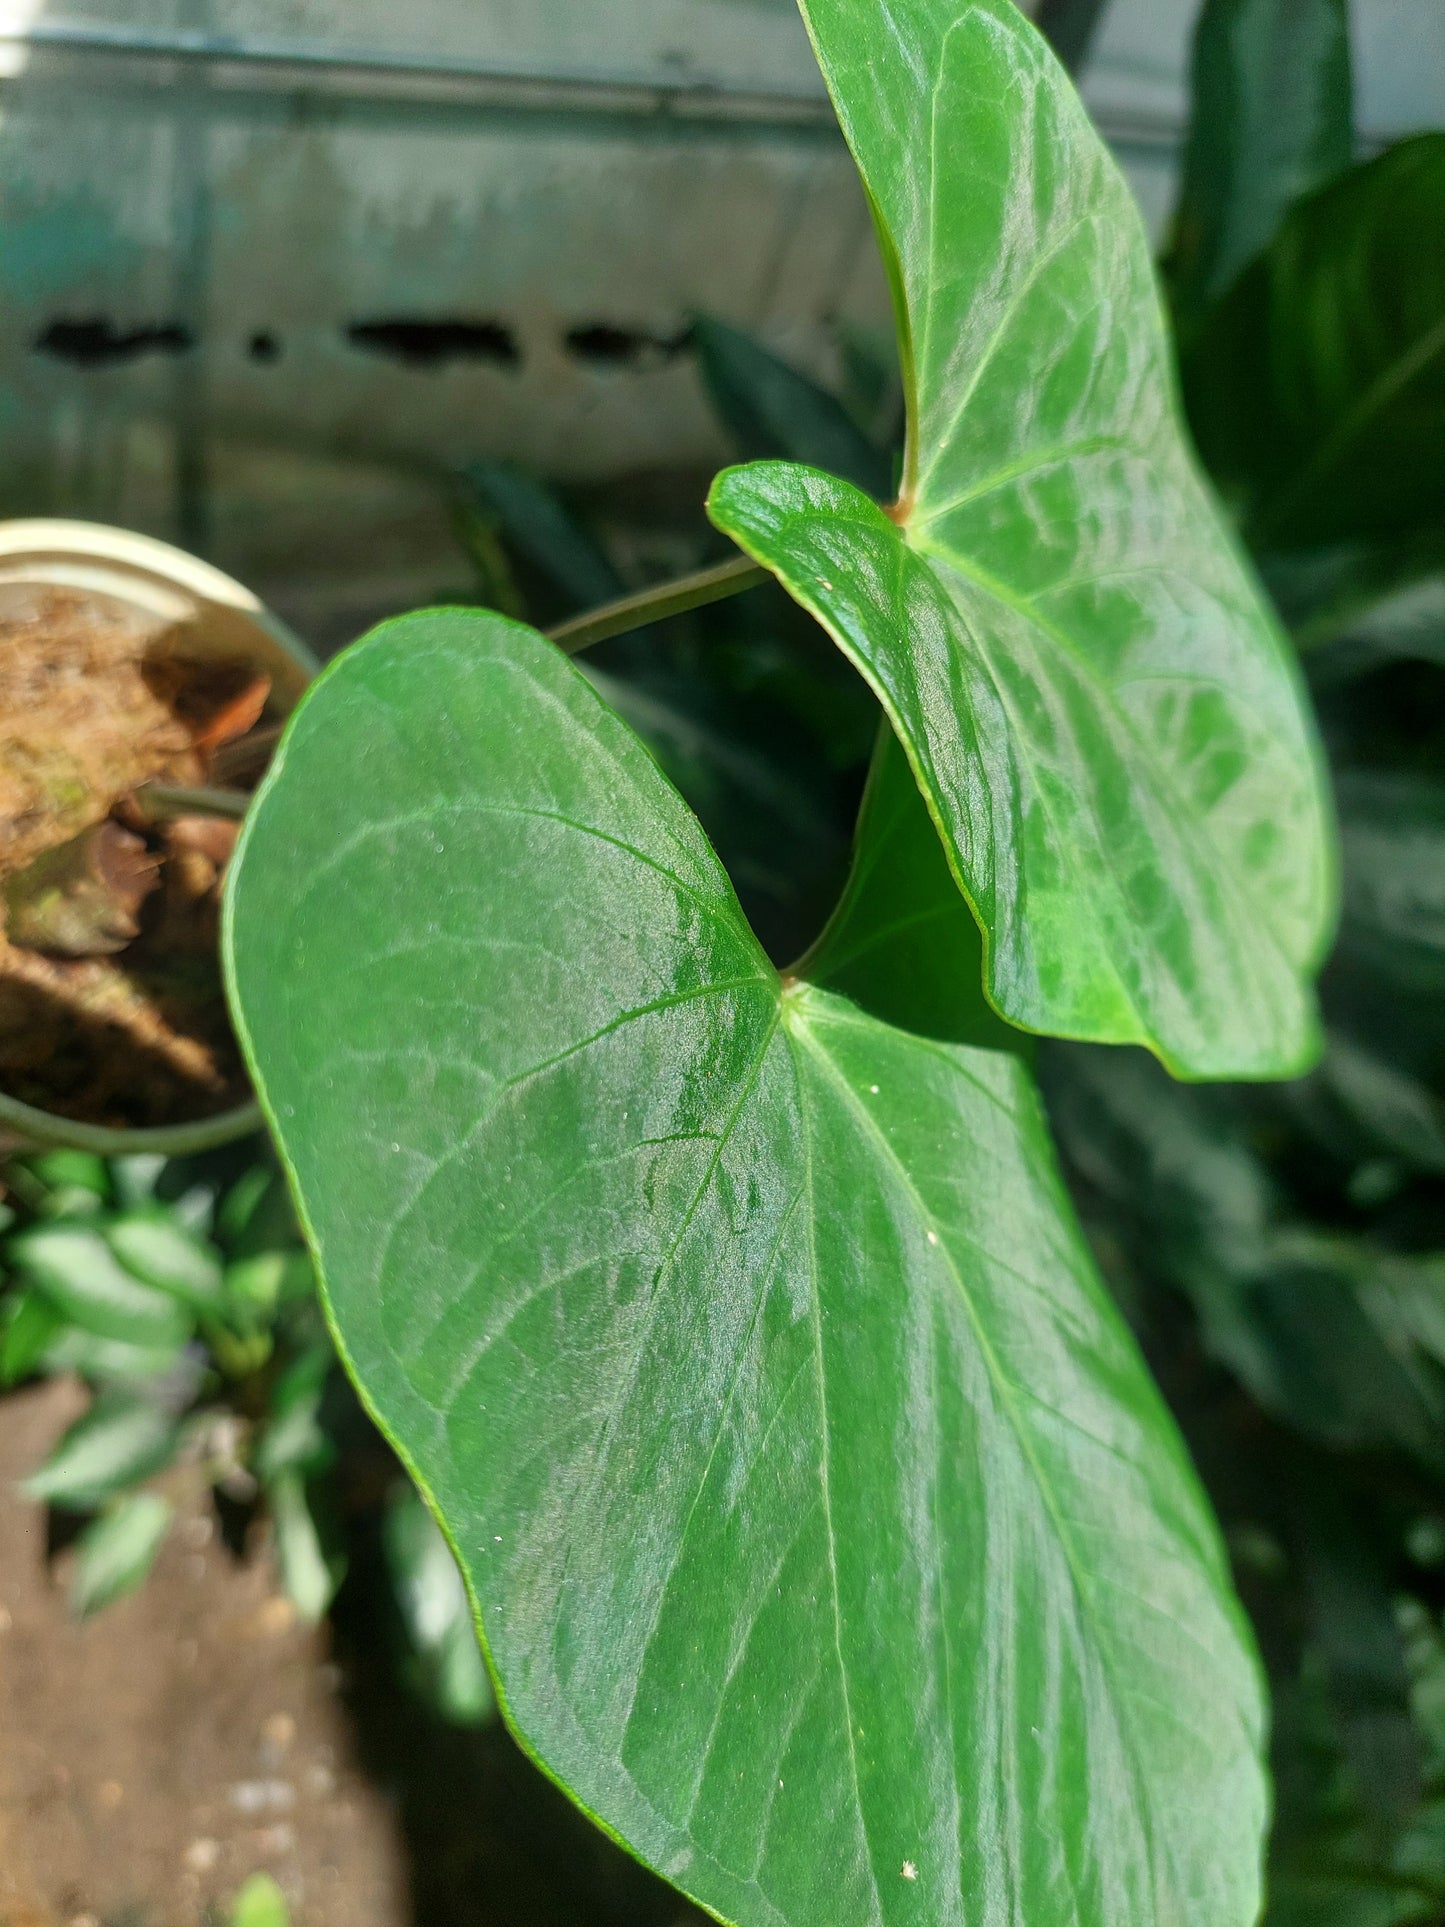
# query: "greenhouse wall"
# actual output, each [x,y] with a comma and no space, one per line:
[270,269]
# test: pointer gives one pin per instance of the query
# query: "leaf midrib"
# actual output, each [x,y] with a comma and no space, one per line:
[824,1463]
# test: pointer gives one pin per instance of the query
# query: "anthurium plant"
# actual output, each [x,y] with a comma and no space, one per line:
[829,1540]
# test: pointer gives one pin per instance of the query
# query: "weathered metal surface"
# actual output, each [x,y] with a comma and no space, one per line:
[327,248]
[270,268]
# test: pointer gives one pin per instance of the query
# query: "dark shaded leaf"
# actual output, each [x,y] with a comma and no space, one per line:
[1317,392]
[115,1553]
[536,523]
[902,942]
[1273,119]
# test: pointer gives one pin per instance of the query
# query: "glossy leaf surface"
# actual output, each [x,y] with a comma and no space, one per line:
[1318,390]
[1273,119]
[1093,696]
[830,1541]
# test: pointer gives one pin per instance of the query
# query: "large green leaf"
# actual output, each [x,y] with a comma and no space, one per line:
[1273,119]
[830,1541]
[1092,693]
[1318,390]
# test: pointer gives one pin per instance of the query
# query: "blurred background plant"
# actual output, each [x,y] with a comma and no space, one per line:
[1281,1250]
[179,1291]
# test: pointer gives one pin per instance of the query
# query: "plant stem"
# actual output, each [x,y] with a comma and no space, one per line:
[159,800]
[652,605]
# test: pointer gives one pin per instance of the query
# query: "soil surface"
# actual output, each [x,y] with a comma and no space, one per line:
[80,721]
[94,702]
[154,1757]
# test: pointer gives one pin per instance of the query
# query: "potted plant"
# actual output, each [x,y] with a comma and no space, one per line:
[141,690]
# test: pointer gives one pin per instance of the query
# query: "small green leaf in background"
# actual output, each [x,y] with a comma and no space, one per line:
[437,1614]
[30,1323]
[155,1249]
[1358,1103]
[109,1361]
[1341,1341]
[134,1179]
[121,1440]
[261,1903]
[258,1287]
[1273,119]
[1317,390]
[1095,699]
[77,1271]
[256,1214]
[540,528]
[1393,822]
[819,1508]
[115,1553]
[308,1547]
[871,390]
[772,410]
[293,1438]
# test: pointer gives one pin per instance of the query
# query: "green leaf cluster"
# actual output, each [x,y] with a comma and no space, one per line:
[175,1288]
[829,1539]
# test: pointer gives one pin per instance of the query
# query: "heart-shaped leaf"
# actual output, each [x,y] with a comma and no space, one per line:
[1091,691]
[830,1541]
